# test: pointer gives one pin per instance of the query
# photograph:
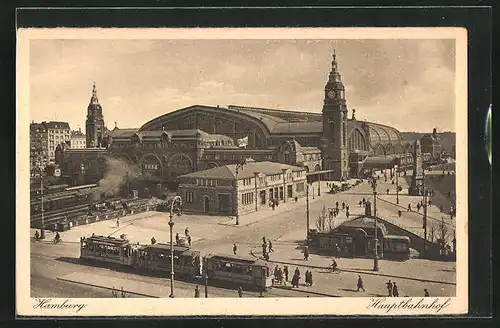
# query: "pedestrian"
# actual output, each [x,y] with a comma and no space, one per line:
[347,208]
[307,277]
[343,206]
[387,190]
[306,253]
[234,248]
[296,199]
[264,248]
[426,293]
[285,271]
[347,214]
[395,291]
[389,288]
[117,223]
[360,283]
[270,247]
[264,240]
[399,213]
[240,291]
[189,239]
[186,231]
[280,276]
[310,278]
[275,273]
[177,238]
[197,292]
[409,208]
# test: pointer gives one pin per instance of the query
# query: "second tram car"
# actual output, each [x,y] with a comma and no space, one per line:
[156,257]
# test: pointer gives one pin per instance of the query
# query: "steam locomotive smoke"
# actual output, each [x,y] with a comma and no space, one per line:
[115,177]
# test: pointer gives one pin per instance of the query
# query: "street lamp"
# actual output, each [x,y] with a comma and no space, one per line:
[171,225]
[238,166]
[307,212]
[205,270]
[397,184]
[42,230]
[375,259]
[256,175]
[284,185]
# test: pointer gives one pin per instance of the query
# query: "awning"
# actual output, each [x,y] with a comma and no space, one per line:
[380,162]
[319,172]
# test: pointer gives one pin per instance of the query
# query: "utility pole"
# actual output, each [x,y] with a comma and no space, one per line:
[42,230]
[397,185]
[284,185]
[256,174]
[425,213]
[205,270]
[307,212]
[375,258]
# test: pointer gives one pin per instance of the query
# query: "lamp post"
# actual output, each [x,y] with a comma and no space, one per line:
[375,258]
[307,212]
[171,225]
[42,230]
[256,175]
[425,212]
[397,184]
[205,269]
[238,166]
[284,185]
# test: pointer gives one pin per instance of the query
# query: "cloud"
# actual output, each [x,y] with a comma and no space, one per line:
[406,83]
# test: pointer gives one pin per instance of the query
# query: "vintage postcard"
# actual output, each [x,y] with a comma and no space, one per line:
[261,171]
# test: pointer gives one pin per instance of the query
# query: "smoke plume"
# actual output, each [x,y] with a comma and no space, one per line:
[115,177]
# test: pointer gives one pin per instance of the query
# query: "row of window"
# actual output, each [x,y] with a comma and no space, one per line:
[206,182]
[247,198]
[275,177]
[247,182]
[150,145]
[311,157]
[237,157]
[150,166]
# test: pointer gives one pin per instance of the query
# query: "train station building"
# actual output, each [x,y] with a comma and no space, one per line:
[328,144]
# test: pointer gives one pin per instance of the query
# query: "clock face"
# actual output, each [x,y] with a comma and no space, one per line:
[331,94]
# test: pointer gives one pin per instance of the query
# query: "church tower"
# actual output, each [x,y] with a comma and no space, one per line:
[94,125]
[334,140]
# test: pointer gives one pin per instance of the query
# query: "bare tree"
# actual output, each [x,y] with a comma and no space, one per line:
[321,221]
[442,234]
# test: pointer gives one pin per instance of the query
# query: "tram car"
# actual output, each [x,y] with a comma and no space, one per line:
[156,258]
[238,269]
[61,197]
[108,249]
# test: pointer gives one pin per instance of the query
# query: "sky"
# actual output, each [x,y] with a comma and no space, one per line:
[407,84]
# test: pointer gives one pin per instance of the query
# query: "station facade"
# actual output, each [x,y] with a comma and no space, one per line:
[328,144]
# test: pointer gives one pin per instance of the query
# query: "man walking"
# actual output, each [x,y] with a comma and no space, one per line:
[360,283]
[197,292]
[389,288]
[285,271]
[395,291]
[306,253]
[240,292]
[234,248]
[270,247]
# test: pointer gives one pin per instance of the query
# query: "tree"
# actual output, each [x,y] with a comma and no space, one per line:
[321,221]
[442,234]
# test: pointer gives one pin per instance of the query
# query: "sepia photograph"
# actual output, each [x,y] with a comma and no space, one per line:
[273,171]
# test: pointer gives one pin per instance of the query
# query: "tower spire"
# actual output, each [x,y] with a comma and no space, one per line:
[94,99]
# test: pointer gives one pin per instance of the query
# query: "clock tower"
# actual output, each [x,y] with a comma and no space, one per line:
[334,139]
[94,125]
